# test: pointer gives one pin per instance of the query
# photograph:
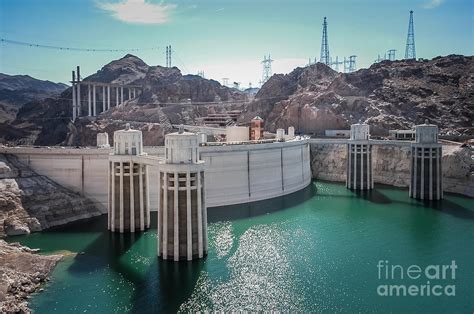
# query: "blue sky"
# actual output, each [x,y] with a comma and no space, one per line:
[225,38]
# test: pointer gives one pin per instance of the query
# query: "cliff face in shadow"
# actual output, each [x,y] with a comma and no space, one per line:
[17,90]
[388,95]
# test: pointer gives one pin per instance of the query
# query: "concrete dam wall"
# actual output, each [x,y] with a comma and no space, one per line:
[234,173]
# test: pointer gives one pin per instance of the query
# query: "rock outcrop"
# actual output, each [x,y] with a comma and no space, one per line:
[30,202]
[22,272]
[164,90]
[392,166]
[388,95]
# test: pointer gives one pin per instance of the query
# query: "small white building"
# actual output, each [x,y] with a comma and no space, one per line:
[237,133]
[103,140]
[280,134]
[408,135]
[337,133]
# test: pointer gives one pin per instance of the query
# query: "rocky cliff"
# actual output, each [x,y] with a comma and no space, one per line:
[392,166]
[22,272]
[388,95]
[167,97]
[30,202]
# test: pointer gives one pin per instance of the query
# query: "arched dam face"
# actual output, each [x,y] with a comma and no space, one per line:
[234,173]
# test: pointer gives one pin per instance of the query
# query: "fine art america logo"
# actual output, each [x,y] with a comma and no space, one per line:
[415,280]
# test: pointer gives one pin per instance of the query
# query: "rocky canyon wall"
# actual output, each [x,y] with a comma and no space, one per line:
[392,166]
[30,202]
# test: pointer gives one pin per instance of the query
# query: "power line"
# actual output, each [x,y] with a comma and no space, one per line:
[34,45]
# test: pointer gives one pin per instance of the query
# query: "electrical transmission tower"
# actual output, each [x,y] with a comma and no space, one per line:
[225,81]
[201,74]
[336,64]
[391,54]
[352,63]
[379,59]
[267,68]
[324,45]
[410,52]
[168,56]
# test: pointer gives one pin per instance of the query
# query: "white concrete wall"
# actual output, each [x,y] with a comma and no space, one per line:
[234,173]
[79,171]
[245,173]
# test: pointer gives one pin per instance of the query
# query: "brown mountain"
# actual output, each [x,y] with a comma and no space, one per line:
[388,95]
[48,122]
[17,90]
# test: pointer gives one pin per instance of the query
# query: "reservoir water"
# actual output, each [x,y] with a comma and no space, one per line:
[312,251]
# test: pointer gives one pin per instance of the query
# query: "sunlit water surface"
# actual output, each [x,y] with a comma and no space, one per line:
[315,250]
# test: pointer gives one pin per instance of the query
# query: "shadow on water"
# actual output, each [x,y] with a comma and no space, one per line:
[174,285]
[106,251]
[373,196]
[448,207]
[238,211]
[162,288]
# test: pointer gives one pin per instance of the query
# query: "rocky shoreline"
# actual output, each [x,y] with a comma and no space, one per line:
[30,202]
[22,272]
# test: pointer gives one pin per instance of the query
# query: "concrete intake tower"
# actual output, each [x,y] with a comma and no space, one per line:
[182,212]
[359,159]
[128,203]
[426,170]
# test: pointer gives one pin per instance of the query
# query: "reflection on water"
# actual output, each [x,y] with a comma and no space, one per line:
[312,251]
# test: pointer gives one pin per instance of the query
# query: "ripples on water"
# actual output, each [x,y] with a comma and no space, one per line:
[261,276]
[312,251]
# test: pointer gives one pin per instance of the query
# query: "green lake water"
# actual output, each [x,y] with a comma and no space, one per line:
[312,251]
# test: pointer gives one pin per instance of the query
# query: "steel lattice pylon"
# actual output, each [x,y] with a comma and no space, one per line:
[324,45]
[410,52]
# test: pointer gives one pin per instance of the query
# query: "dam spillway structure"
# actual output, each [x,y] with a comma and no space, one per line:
[426,171]
[128,202]
[359,173]
[182,212]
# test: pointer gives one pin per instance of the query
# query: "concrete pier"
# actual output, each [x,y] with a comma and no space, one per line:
[426,172]
[94,96]
[182,211]
[128,202]
[359,174]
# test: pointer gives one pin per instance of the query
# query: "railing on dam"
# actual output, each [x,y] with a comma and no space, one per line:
[347,141]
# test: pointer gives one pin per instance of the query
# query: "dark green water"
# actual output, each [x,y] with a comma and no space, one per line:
[312,251]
